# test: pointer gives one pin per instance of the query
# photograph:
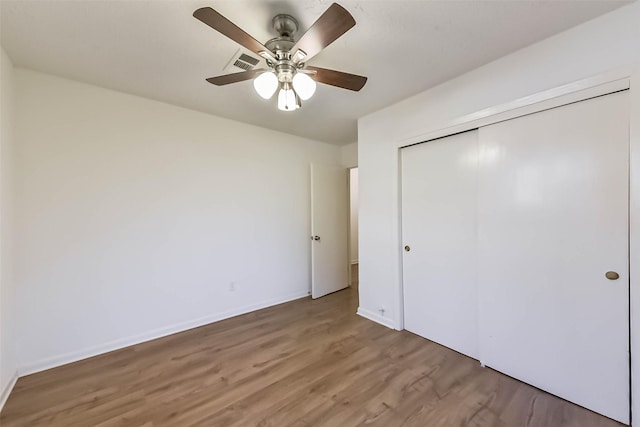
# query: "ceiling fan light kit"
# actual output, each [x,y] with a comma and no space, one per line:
[288,99]
[304,85]
[287,58]
[266,84]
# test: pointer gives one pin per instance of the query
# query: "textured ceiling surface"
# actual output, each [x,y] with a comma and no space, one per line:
[156,49]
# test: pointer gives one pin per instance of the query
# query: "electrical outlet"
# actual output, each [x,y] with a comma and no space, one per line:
[232,286]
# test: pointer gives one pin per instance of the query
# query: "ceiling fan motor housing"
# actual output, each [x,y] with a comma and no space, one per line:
[285,25]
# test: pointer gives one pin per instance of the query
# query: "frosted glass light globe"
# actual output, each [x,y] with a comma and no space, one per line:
[266,84]
[287,99]
[304,86]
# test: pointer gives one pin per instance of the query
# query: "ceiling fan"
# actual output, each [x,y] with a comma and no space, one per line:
[287,57]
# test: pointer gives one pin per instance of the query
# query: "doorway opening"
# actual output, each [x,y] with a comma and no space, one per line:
[353,227]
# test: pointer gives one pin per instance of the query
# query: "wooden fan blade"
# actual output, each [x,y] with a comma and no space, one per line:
[235,77]
[333,23]
[337,78]
[222,25]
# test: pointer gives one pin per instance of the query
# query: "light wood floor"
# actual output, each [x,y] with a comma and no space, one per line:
[304,363]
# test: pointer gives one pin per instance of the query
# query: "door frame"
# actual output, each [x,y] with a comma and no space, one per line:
[602,84]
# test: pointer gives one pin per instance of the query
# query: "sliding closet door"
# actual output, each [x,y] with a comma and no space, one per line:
[439,232]
[552,222]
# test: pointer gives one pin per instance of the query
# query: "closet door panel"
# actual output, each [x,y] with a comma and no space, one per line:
[552,221]
[439,227]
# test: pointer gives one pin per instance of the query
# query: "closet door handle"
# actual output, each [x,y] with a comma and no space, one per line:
[611,275]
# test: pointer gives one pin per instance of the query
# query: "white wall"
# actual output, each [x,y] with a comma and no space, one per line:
[136,218]
[8,364]
[353,215]
[349,155]
[601,45]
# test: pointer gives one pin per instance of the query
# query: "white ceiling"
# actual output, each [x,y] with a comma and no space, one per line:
[156,49]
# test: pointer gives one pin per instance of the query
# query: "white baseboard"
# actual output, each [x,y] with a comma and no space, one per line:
[7,390]
[63,359]
[368,314]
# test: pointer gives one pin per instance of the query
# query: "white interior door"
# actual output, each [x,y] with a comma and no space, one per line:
[439,191]
[329,229]
[553,219]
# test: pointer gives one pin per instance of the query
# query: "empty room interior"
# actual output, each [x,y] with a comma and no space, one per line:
[317,213]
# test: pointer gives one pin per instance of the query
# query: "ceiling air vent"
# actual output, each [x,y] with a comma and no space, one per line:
[242,61]
[246,62]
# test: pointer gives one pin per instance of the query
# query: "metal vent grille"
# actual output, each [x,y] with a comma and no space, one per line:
[246,62]
[242,60]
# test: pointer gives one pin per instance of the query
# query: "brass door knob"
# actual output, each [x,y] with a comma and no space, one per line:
[612,275]
[407,248]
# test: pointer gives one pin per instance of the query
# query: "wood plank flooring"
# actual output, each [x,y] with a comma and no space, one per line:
[304,363]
